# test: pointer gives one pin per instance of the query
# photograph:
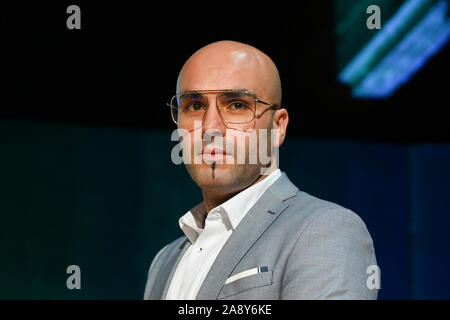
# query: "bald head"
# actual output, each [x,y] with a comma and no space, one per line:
[231,65]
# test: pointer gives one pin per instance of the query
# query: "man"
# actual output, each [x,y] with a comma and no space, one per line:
[255,235]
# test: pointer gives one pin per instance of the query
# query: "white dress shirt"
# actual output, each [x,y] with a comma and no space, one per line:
[207,243]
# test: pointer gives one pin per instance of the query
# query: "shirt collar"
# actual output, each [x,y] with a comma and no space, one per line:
[188,224]
[232,211]
[238,206]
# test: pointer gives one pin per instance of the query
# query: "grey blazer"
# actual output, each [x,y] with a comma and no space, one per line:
[303,248]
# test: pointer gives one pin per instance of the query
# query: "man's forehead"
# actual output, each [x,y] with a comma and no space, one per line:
[219,54]
[220,79]
[218,71]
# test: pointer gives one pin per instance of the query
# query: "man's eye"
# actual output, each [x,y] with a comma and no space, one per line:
[237,106]
[195,107]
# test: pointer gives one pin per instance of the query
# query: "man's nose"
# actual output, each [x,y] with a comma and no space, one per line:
[212,120]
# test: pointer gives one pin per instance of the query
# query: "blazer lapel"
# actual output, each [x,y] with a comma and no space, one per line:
[253,225]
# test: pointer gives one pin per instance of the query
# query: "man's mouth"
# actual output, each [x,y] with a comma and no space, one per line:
[211,154]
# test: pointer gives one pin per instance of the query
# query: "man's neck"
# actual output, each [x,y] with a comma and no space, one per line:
[214,198]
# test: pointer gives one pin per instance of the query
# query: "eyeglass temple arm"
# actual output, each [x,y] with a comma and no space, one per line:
[171,105]
[274,106]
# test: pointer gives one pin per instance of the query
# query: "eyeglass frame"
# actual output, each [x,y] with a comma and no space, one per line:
[272,105]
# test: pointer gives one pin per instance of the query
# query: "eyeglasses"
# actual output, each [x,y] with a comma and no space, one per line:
[234,106]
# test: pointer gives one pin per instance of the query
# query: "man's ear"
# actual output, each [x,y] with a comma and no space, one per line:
[280,122]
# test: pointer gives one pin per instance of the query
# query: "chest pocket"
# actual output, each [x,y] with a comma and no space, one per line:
[246,283]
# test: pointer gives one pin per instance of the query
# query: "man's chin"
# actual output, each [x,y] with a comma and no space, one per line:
[220,175]
[216,175]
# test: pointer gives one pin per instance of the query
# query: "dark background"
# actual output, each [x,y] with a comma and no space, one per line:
[85,169]
[120,68]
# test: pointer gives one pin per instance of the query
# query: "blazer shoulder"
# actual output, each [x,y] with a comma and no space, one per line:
[302,205]
[305,208]
[329,257]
